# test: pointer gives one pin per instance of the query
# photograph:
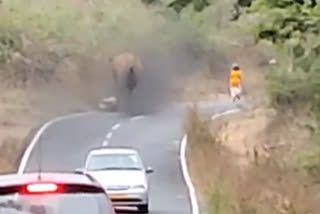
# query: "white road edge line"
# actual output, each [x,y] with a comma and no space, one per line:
[35,139]
[224,113]
[184,165]
[187,178]
[137,117]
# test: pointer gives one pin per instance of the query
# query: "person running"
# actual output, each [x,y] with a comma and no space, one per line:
[235,82]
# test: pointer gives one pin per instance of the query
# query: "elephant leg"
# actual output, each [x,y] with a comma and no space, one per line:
[123,99]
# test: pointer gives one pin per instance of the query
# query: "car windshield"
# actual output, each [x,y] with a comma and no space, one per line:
[93,203]
[114,162]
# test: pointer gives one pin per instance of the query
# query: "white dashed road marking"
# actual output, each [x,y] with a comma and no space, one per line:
[115,127]
[109,135]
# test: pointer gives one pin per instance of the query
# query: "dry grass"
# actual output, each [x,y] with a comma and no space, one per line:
[15,122]
[269,185]
[16,119]
[74,84]
[13,145]
[89,24]
[9,147]
[203,86]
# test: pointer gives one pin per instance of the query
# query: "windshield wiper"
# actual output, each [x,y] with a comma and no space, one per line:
[131,168]
[105,168]
[117,168]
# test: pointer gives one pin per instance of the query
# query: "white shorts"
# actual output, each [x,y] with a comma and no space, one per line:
[234,91]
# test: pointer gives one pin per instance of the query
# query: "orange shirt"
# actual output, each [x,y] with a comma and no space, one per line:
[235,78]
[235,82]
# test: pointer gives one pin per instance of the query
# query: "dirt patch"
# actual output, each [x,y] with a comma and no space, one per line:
[244,164]
[203,86]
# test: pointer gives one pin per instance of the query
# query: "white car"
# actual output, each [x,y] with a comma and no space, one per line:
[123,175]
[53,192]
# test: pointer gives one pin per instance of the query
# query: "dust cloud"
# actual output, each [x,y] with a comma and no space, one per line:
[165,65]
[77,85]
[80,82]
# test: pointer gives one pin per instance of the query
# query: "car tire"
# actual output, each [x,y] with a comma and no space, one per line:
[143,208]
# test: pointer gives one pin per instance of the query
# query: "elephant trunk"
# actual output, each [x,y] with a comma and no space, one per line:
[131,82]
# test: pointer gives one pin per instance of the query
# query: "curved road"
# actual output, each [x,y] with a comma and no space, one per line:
[62,145]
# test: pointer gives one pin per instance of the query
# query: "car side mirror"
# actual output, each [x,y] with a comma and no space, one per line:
[149,170]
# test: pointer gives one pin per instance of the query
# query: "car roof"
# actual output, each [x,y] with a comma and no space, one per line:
[112,150]
[71,178]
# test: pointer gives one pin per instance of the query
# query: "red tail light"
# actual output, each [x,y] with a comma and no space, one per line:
[38,188]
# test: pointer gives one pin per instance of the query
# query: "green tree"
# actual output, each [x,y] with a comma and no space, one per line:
[179,5]
[286,19]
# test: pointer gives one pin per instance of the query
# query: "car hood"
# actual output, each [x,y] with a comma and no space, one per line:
[119,177]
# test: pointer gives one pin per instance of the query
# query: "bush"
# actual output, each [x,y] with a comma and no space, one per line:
[10,43]
[94,23]
[289,89]
[219,202]
[311,164]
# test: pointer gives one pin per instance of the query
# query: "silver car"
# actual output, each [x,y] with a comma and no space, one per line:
[122,173]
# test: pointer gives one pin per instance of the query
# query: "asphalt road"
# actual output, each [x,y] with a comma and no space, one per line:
[64,144]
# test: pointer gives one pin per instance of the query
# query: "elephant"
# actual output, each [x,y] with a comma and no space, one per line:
[126,73]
